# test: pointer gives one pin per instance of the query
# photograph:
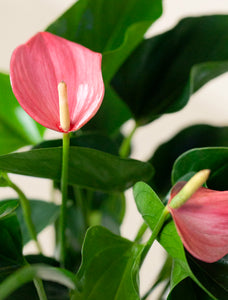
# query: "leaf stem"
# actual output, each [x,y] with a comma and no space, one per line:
[40,288]
[155,233]
[26,211]
[141,232]
[125,146]
[64,186]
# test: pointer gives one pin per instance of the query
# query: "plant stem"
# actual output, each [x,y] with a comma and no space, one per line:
[64,186]
[26,212]
[155,233]
[40,289]
[141,232]
[125,146]
[81,205]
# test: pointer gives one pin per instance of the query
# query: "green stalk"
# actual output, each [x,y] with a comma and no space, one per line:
[40,289]
[26,211]
[125,146]
[64,185]
[141,232]
[155,233]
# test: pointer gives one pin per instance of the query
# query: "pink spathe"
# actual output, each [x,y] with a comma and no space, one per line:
[38,66]
[202,223]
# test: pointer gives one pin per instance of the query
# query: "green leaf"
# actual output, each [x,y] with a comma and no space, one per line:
[17,129]
[164,71]
[192,137]
[87,167]
[7,207]
[28,273]
[187,289]
[89,140]
[43,214]
[214,276]
[110,267]
[112,27]
[151,207]
[111,115]
[192,161]
[10,246]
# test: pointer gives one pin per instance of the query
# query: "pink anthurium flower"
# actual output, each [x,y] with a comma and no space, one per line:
[202,222]
[40,65]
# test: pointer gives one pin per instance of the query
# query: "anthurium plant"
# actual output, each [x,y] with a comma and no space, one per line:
[84,77]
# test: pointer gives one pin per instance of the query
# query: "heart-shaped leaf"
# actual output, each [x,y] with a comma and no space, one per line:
[87,167]
[110,266]
[162,73]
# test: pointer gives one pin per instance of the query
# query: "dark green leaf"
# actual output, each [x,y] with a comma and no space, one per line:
[215,159]
[87,167]
[111,115]
[43,214]
[89,140]
[192,137]
[187,289]
[112,27]
[162,73]
[10,246]
[110,267]
[17,129]
[214,276]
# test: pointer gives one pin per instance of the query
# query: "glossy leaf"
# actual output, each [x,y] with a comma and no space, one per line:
[110,267]
[112,27]
[192,161]
[17,129]
[192,137]
[87,167]
[43,214]
[158,79]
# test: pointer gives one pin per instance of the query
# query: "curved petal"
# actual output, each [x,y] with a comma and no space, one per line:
[38,66]
[202,223]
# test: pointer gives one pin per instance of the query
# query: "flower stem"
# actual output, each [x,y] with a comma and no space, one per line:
[26,211]
[141,232]
[40,289]
[64,185]
[155,233]
[125,146]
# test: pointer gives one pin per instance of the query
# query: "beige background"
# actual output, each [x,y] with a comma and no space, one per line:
[20,19]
